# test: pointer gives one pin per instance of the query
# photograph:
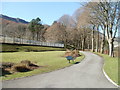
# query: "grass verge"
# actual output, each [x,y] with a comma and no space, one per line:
[111,67]
[51,60]
[17,48]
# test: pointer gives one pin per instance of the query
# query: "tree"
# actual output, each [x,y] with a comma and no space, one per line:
[36,27]
[111,21]
[107,13]
[32,28]
[86,25]
[98,39]
[21,31]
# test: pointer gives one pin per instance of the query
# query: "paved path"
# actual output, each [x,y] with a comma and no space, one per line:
[87,74]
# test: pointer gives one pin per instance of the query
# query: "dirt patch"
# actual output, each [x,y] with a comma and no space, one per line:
[24,66]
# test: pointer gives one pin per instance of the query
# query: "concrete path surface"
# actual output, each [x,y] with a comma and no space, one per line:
[86,74]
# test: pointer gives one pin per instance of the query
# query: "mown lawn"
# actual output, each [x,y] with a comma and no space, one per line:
[111,67]
[51,60]
[17,48]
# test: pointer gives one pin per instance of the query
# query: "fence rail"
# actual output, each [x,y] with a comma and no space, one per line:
[6,39]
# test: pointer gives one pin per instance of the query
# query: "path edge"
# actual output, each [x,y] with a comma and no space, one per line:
[108,78]
[105,74]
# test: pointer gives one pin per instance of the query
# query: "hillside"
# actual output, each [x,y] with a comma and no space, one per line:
[16,20]
[11,27]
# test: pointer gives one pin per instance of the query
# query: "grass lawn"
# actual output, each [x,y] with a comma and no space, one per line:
[17,48]
[51,60]
[111,67]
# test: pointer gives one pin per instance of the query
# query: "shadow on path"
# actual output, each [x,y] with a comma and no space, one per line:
[76,62]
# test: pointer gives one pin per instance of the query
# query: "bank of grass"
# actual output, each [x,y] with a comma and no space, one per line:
[51,60]
[18,48]
[111,67]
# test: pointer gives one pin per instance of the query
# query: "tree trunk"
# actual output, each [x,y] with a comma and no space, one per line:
[33,35]
[75,44]
[92,44]
[111,52]
[97,41]
[65,44]
[103,43]
[89,43]
[78,45]
[96,45]
[93,39]
[102,47]
[88,46]
[83,44]
[37,36]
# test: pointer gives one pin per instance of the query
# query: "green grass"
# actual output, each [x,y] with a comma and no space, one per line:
[16,48]
[51,60]
[111,67]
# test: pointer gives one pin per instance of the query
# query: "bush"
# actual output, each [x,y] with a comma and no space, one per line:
[27,62]
[74,53]
[4,72]
[7,64]
[20,68]
[5,68]
[24,66]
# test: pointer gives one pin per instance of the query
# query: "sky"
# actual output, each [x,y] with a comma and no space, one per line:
[48,12]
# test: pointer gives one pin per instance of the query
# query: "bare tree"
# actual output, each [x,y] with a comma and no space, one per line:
[109,13]
[106,13]
[21,31]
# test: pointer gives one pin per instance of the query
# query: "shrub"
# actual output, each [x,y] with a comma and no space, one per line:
[20,68]
[23,66]
[74,53]
[27,62]
[7,64]
[4,72]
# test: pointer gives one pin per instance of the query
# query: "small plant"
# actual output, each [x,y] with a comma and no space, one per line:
[7,64]
[27,62]
[5,68]
[24,66]
[4,72]
[20,68]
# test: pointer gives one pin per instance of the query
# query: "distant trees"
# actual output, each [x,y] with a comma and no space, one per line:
[32,31]
[21,31]
[95,27]
[56,33]
[14,30]
[98,23]
[106,14]
[63,35]
[86,28]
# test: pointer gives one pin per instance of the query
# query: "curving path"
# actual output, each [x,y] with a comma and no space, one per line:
[87,74]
